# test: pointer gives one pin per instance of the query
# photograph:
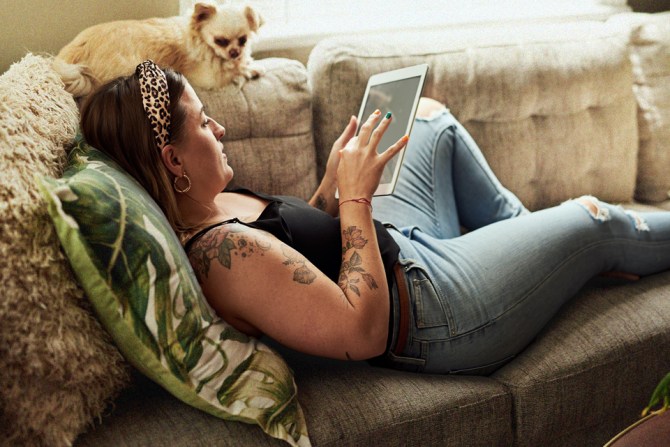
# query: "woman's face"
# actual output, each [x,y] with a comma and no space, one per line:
[200,148]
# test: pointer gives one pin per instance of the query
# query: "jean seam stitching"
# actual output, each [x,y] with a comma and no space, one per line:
[438,137]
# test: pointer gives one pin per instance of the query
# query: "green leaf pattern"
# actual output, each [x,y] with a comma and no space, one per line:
[65,194]
[138,256]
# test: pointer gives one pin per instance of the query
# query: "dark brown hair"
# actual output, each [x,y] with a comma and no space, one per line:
[113,121]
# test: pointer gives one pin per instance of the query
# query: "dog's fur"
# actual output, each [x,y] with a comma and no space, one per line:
[211,48]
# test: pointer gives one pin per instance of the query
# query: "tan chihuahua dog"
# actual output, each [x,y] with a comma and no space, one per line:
[211,48]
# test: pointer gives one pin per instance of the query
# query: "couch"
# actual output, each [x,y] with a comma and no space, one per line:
[559,109]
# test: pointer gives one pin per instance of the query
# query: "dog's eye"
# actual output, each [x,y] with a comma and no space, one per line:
[242,40]
[222,42]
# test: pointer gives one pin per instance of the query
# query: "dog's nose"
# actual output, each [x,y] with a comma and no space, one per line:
[234,53]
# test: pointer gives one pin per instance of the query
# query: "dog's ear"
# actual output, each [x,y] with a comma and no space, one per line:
[254,19]
[202,12]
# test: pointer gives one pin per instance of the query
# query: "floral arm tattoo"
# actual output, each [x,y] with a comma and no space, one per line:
[302,274]
[222,245]
[351,270]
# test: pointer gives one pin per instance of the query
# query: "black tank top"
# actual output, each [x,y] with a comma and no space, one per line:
[312,232]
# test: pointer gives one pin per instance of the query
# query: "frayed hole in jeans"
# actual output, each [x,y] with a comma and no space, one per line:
[595,208]
[638,221]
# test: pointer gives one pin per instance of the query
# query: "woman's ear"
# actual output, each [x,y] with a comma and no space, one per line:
[171,160]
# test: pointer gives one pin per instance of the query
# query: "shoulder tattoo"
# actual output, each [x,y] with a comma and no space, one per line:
[351,271]
[302,274]
[221,245]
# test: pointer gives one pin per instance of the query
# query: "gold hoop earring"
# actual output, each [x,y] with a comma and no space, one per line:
[176,179]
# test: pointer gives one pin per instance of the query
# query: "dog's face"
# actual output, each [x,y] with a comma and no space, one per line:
[226,29]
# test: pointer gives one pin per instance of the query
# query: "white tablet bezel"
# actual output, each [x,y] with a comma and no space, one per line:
[384,78]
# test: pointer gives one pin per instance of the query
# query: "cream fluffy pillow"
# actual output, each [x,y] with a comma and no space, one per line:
[58,368]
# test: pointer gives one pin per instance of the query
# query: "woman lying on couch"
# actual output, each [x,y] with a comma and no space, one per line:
[327,277]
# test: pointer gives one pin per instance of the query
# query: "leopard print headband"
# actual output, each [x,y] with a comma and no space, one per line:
[155,100]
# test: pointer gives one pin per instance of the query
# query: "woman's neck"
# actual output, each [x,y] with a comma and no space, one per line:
[196,211]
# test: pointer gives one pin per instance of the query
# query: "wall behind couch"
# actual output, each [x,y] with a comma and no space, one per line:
[45,26]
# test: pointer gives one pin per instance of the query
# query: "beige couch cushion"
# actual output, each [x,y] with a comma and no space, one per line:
[650,55]
[593,369]
[268,123]
[58,367]
[550,105]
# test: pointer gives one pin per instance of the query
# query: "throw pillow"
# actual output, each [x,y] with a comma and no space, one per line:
[59,369]
[140,282]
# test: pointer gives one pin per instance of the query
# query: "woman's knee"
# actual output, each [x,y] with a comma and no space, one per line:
[602,212]
[429,107]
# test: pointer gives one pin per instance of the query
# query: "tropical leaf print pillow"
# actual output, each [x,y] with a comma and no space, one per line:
[136,274]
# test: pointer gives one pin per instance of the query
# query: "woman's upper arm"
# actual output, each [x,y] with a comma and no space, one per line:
[251,277]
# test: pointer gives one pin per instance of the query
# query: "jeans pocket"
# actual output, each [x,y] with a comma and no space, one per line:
[430,311]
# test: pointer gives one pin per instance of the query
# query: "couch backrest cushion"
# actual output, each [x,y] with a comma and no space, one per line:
[550,105]
[144,291]
[650,56]
[58,367]
[268,121]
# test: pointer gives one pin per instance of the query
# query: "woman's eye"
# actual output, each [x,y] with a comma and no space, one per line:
[205,123]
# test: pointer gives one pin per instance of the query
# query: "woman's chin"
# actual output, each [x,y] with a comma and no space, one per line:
[228,176]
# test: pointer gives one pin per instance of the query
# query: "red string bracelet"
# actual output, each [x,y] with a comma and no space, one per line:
[360,200]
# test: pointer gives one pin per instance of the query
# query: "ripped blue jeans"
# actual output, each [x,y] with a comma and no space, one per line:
[478,299]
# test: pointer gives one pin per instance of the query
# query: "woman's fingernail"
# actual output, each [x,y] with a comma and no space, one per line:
[377,112]
[405,138]
[388,115]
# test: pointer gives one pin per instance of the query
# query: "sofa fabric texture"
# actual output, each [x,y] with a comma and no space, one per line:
[607,350]
[546,104]
[348,404]
[650,56]
[59,367]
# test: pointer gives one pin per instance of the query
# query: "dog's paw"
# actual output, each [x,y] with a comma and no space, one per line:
[254,71]
[239,81]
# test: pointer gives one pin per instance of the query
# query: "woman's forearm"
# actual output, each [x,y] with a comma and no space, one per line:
[362,276]
[324,196]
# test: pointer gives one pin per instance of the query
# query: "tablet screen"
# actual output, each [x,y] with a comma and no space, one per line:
[396,97]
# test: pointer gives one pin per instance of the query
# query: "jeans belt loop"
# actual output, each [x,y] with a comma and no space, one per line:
[403,305]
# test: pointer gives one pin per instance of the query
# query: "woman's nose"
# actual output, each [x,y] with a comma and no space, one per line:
[220,131]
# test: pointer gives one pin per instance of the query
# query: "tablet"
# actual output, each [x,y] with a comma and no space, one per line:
[398,92]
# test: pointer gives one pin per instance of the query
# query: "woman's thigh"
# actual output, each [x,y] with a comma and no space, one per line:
[445,183]
[422,198]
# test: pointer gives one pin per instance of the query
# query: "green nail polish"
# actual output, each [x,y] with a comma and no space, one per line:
[388,115]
